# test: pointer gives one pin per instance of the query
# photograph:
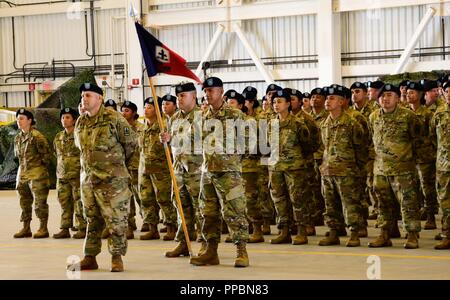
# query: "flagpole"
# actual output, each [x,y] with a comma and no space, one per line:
[172,173]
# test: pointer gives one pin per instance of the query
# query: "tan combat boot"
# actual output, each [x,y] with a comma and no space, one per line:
[431,222]
[266,227]
[310,230]
[395,232]
[171,232]
[331,239]
[382,240]
[241,256]
[257,236]
[153,233]
[180,250]
[145,227]
[116,263]
[209,257]
[105,233]
[284,237]
[442,245]
[302,236]
[412,242]
[25,231]
[354,241]
[88,263]
[81,234]
[130,233]
[63,234]
[42,231]
[341,231]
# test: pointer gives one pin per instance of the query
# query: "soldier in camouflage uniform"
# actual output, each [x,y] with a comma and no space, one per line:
[68,176]
[107,144]
[288,172]
[32,183]
[440,135]
[396,132]
[306,102]
[184,135]
[373,90]
[426,155]
[169,105]
[431,95]
[155,184]
[222,191]
[345,155]
[403,86]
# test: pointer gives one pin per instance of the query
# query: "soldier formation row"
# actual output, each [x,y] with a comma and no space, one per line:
[340,150]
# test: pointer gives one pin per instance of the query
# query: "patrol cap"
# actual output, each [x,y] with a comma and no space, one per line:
[358,85]
[91,87]
[375,84]
[23,111]
[428,85]
[232,94]
[273,87]
[335,90]
[69,110]
[184,87]
[306,95]
[294,92]
[111,103]
[404,83]
[414,86]
[250,93]
[390,88]
[318,91]
[130,105]
[169,98]
[446,85]
[282,94]
[212,82]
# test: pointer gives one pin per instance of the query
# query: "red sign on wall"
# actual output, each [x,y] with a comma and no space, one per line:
[31,86]
[135,81]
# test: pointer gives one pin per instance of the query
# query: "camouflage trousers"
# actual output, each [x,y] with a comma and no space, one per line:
[28,190]
[289,190]
[443,192]
[106,202]
[264,198]
[68,191]
[427,194]
[342,196]
[371,193]
[318,202]
[189,189]
[251,195]
[155,190]
[223,194]
[134,188]
[397,191]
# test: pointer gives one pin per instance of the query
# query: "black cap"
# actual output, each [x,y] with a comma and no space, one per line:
[443,79]
[404,83]
[250,93]
[318,91]
[414,86]
[91,87]
[212,82]
[23,111]
[358,85]
[375,84]
[294,92]
[169,98]
[446,85]
[232,94]
[336,90]
[69,110]
[282,94]
[273,87]
[151,101]
[112,103]
[390,88]
[184,87]
[130,105]
[306,95]
[428,85]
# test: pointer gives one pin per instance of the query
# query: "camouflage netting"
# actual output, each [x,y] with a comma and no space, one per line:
[396,79]
[47,122]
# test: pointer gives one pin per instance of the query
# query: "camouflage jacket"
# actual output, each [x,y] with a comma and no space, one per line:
[345,146]
[319,118]
[314,132]
[294,145]
[107,144]
[439,103]
[216,158]
[34,156]
[67,155]
[440,135]
[133,166]
[367,108]
[186,141]
[152,157]
[250,160]
[426,150]
[395,136]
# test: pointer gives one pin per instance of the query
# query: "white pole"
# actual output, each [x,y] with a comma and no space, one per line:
[210,48]
[414,39]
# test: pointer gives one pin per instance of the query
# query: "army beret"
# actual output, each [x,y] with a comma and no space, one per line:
[404,83]
[294,92]
[273,87]
[169,98]
[446,85]
[335,90]
[375,84]
[250,93]
[151,101]
[130,105]
[358,85]
[29,114]
[306,95]
[348,92]
[390,88]
[282,94]
[232,94]
[414,86]
[212,82]
[428,85]
[264,98]
[443,79]
[111,103]
[91,87]
[184,87]
[69,110]
[318,91]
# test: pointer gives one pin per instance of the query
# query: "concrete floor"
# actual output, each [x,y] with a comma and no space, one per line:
[46,258]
